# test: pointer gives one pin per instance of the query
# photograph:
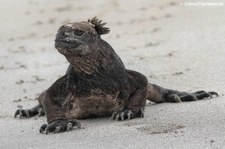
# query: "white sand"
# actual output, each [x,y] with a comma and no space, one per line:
[174,46]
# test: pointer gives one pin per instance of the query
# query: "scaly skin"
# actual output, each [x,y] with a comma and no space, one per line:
[96,83]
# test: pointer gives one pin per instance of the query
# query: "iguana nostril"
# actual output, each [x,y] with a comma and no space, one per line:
[67,33]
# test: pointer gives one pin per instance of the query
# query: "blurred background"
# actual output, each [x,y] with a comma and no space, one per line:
[177,44]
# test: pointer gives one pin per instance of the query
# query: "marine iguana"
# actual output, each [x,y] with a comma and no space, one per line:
[96,83]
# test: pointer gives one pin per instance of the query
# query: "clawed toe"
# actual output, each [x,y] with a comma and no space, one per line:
[59,126]
[43,127]
[22,113]
[70,126]
[57,129]
[213,93]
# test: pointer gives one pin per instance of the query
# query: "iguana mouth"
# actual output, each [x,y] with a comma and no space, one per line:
[67,43]
[70,46]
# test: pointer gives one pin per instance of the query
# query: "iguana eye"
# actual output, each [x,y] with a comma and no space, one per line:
[78,32]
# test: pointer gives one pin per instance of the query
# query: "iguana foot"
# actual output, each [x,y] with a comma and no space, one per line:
[22,113]
[127,114]
[27,113]
[59,126]
[204,94]
[190,96]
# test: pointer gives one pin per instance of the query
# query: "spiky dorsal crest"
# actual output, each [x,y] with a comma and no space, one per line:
[98,25]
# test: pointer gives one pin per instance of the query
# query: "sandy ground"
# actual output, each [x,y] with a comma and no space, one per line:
[174,46]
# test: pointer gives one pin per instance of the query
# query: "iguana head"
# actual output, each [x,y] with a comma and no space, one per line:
[79,38]
[89,55]
[81,44]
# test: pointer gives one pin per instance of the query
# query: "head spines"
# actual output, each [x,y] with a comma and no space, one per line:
[99,26]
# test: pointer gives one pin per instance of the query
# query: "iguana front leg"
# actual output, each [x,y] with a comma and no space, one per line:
[134,107]
[56,118]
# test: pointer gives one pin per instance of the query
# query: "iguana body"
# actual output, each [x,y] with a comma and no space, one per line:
[96,83]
